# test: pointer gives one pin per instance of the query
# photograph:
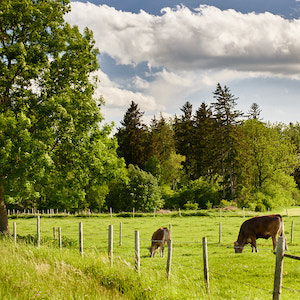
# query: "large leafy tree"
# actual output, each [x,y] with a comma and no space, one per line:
[267,159]
[48,118]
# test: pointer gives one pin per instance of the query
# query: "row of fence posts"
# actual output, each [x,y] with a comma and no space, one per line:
[110,234]
[279,253]
[51,212]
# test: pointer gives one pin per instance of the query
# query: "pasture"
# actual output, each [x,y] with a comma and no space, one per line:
[232,276]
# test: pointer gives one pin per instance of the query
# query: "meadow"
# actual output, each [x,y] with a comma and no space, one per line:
[29,272]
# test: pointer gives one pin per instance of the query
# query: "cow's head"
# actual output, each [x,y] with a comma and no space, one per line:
[238,248]
[152,250]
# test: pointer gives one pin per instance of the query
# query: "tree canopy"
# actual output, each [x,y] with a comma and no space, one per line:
[51,144]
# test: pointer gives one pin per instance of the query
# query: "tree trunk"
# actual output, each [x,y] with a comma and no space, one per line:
[223,172]
[3,214]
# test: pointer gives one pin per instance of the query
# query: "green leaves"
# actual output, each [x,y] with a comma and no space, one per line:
[50,134]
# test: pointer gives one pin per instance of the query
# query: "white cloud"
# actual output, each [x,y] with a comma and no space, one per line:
[182,39]
[193,50]
[118,99]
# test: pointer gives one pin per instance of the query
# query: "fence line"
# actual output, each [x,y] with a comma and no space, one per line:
[110,251]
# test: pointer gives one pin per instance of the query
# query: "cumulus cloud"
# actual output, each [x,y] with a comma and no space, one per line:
[206,38]
[187,52]
[118,98]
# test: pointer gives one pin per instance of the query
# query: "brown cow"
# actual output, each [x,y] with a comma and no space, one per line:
[259,227]
[159,238]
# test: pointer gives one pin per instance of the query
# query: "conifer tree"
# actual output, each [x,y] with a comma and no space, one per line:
[227,118]
[184,133]
[133,137]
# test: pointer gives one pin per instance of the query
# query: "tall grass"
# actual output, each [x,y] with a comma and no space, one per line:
[28,272]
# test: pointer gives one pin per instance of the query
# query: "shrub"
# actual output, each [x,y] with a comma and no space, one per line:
[191,205]
[141,192]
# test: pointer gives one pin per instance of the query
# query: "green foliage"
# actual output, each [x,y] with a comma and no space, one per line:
[141,192]
[132,137]
[225,203]
[203,193]
[191,206]
[267,160]
[53,150]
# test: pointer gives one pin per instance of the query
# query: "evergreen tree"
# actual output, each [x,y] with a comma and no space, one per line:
[254,111]
[133,137]
[227,119]
[184,139]
[203,140]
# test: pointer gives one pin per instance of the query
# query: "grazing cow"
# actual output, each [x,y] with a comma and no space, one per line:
[159,238]
[259,227]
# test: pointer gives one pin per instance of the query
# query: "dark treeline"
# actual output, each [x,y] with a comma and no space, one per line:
[215,156]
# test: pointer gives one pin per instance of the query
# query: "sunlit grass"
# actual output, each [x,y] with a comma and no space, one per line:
[69,276]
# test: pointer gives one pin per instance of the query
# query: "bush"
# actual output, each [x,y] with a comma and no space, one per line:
[203,191]
[191,206]
[141,192]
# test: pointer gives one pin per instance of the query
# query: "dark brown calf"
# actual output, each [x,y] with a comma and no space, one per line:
[159,238]
[259,227]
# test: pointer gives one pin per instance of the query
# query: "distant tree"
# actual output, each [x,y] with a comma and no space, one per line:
[141,192]
[266,161]
[254,111]
[204,127]
[292,131]
[133,137]
[227,118]
[184,133]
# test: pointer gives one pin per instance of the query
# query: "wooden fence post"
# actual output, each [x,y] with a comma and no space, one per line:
[120,233]
[243,212]
[278,268]
[110,243]
[110,210]
[169,261]
[205,263]
[137,251]
[38,226]
[292,231]
[170,230]
[81,238]
[59,238]
[133,211]
[15,232]
[220,232]
[54,233]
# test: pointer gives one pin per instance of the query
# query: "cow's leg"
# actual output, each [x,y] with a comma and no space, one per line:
[253,244]
[162,250]
[274,243]
[154,250]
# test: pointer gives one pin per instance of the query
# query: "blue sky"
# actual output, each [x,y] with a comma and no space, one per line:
[163,53]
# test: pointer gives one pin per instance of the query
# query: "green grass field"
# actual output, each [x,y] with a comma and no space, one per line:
[28,272]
